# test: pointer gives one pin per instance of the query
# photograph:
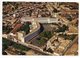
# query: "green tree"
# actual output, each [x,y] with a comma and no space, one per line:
[46,34]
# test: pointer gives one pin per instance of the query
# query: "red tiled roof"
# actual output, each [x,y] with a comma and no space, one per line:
[16,28]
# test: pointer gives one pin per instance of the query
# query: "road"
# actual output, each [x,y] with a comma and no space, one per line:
[31,46]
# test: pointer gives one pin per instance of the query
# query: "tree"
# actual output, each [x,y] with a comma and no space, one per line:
[26,28]
[46,34]
[41,40]
[62,29]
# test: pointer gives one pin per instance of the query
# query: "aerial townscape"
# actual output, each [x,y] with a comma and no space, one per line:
[40,28]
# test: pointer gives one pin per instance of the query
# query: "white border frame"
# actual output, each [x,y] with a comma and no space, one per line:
[2,56]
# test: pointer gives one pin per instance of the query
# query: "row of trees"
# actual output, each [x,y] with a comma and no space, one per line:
[70,37]
[6,43]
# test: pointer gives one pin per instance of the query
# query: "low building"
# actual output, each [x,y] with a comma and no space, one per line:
[62,47]
[20,36]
